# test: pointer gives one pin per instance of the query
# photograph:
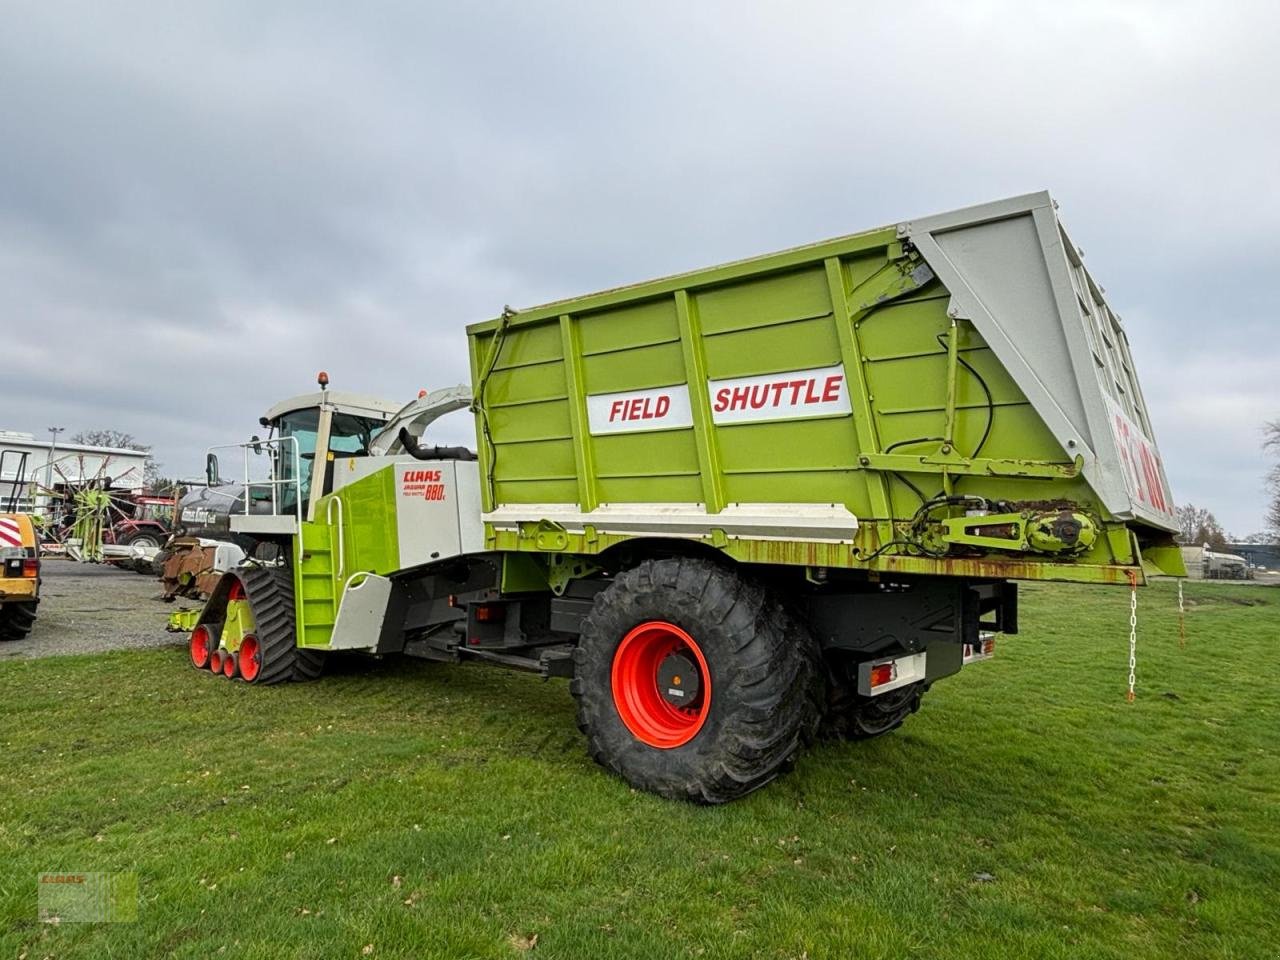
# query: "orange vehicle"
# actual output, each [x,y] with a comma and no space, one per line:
[19,575]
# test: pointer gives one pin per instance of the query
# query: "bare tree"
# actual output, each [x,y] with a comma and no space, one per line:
[109,438]
[122,441]
[1271,443]
[1197,525]
[1260,537]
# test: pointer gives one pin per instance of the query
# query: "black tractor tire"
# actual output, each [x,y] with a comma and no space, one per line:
[766,681]
[159,560]
[17,617]
[850,716]
[270,594]
[144,537]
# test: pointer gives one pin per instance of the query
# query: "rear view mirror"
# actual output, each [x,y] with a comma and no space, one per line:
[256,444]
[211,470]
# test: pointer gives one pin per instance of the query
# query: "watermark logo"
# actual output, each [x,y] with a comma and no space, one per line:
[87,897]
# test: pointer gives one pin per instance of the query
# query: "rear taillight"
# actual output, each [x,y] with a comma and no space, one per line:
[31,568]
[882,673]
[489,613]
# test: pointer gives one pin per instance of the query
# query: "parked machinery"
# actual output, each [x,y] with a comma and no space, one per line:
[736,507]
[19,554]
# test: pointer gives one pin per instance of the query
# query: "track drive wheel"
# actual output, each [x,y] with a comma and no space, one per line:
[691,683]
[273,655]
[249,658]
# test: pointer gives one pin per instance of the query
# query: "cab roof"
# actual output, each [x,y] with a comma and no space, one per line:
[356,404]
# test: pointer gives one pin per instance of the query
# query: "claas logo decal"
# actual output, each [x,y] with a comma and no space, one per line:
[798,394]
[423,483]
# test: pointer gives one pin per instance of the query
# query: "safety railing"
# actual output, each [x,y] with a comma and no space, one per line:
[277,449]
[16,479]
[342,547]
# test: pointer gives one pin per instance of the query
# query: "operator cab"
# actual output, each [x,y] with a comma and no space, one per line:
[342,424]
[318,442]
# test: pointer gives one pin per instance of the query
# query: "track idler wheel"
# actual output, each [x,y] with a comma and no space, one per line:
[215,661]
[201,646]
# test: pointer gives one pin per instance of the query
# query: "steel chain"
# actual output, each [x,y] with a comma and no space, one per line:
[1133,634]
[1182,619]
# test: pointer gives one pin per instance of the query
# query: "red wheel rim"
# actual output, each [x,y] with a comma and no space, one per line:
[229,665]
[215,661]
[200,643]
[650,717]
[249,658]
[237,591]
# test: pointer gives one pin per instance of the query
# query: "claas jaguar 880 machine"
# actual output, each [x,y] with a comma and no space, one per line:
[737,508]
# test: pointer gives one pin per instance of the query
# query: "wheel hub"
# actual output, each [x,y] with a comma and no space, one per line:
[678,681]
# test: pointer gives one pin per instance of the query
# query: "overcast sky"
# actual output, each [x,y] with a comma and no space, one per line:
[201,204]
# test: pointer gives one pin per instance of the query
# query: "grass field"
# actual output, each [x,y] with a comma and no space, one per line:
[421,810]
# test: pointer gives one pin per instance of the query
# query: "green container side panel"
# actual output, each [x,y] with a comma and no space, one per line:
[641,367]
[655,488]
[669,457]
[542,344]
[760,301]
[797,344]
[545,420]
[563,490]
[628,326]
[865,305]
[534,382]
[760,324]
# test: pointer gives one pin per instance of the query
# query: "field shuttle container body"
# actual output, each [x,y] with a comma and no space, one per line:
[739,507]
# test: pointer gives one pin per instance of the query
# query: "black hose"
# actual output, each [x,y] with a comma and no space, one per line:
[905,443]
[419,452]
[991,406]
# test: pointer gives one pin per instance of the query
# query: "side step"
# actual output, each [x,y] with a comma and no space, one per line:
[550,662]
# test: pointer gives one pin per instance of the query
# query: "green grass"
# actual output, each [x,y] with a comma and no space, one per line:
[431,810]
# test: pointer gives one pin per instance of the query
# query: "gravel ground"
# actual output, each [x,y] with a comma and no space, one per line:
[89,608]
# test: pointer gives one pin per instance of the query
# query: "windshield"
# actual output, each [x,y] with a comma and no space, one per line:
[348,436]
[162,512]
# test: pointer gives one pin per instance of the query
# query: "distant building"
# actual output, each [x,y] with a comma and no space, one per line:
[1259,554]
[71,463]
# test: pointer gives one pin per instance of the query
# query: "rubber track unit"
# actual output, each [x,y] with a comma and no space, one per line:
[16,619]
[766,680]
[270,594]
[852,717]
